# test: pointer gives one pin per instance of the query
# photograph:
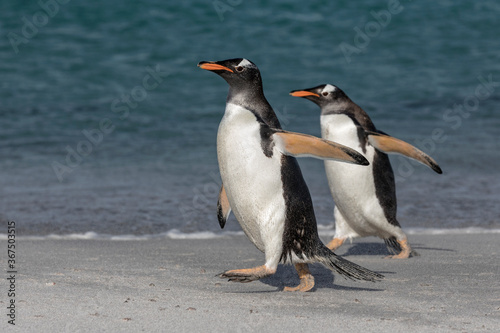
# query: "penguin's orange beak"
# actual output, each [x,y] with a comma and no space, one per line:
[303,93]
[212,66]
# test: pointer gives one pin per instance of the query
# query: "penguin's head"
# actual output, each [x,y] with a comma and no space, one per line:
[323,95]
[238,72]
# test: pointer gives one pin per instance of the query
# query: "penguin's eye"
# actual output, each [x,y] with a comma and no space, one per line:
[325,93]
[239,68]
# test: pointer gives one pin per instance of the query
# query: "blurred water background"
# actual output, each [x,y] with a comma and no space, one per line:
[109,128]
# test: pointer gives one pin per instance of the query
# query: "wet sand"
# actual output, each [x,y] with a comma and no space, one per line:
[170,285]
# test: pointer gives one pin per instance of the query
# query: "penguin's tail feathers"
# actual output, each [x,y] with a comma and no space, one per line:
[346,268]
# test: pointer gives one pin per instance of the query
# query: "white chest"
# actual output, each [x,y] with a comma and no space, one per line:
[341,129]
[352,186]
[252,180]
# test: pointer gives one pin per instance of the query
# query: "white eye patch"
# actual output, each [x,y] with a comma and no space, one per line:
[329,88]
[245,63]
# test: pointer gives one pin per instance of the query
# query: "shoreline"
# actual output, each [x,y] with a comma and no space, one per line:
[324,231]
[170,284]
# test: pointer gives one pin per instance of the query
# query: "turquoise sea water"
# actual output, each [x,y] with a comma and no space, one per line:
[108,126]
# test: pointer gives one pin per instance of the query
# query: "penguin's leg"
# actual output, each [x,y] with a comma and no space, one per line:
[248,274]
[259,272]
[335,243]
[406,251]
[341,229]
[273,245]
[306,279]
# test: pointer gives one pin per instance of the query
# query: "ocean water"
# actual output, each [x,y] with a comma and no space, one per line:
[109,128]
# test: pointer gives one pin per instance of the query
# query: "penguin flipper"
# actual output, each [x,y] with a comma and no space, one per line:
[389,144]
[223,207]
[300,145]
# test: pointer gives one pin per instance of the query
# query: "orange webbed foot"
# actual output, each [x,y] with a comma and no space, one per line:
[247,274]
[406,251]
[306,279]
[335,243]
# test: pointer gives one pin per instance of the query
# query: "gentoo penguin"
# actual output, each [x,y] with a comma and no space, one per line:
[365,197]
[263,185]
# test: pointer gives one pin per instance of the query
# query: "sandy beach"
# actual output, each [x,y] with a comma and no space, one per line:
[170,285]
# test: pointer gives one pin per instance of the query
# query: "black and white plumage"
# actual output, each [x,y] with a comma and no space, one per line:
[262,182]
[365,198]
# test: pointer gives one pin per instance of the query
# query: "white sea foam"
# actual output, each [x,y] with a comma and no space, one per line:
[328,230]
[172,234]
[451,231]
[324,231]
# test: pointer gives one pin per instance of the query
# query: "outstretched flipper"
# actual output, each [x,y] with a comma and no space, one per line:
[299,145]
[223,207]
[389,144]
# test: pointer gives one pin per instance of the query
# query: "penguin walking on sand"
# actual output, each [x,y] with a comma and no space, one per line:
[365,197]
[263,185]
